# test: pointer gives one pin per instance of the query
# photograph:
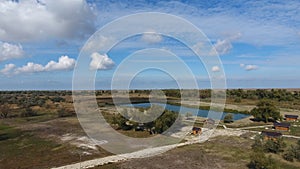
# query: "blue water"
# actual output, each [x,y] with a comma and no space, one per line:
[199,112]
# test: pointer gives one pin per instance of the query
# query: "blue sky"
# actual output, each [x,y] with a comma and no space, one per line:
[258,42]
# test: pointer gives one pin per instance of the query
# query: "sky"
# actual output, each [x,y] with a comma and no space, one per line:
[258,44]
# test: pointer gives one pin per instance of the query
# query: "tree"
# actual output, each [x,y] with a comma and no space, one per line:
[228,118]
[121,122]
[265,110]
[4,110]
[165,121]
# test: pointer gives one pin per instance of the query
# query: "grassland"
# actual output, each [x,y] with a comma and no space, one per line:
[221,152]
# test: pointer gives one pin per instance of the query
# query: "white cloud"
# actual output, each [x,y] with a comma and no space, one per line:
[248,67]
[30,68]
[151,37]
[98,43]
[220,47]
[198,47]
[215,69]
[64,63]
[101,62]
[224,46]
[7,70]
[29,20]
[10,51]
[261,22]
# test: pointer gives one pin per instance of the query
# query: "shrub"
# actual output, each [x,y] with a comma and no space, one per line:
[228,118]
[63,113]
[28,112]
[275,146]
[260,161]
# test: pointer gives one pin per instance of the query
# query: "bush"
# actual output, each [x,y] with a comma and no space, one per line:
[275,146]
[28,112]
[63,113]
[4,110]
[228,118]
[260,161]
[238,100]
[288,156]
[58,99]
[293,153]
[258,144]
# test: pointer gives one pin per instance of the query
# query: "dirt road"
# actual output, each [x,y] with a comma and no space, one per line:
[152,151]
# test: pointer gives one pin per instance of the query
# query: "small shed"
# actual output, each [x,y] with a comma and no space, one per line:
[271,135]
[282,126]
[196,130]
[291,117]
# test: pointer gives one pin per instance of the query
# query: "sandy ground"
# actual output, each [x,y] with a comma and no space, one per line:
[207,134]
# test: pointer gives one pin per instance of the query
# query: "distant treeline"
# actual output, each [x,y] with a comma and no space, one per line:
[277,94]
[237,95]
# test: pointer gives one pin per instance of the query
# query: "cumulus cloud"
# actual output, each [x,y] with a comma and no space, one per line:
[10,51]
[30,67]
[101,62]
[215,69]
[224,46]
[7,70]
[220,47]
[28,20]
[249,67]
[98,43]
[151,37]
[64,63]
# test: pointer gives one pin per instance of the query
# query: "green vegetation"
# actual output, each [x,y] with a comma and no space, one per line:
[265,110]
[28,112]
[28,117]
[165,121]
[162,123]
[293,152]
[228,118]
[268,145]
[277,149]
[260,161]
[4,110]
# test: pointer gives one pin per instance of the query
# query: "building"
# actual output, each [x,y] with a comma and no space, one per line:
[291,117]
[282,126]
[196,130]
[267,135]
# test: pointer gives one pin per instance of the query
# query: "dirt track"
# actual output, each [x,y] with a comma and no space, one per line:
[152,151]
